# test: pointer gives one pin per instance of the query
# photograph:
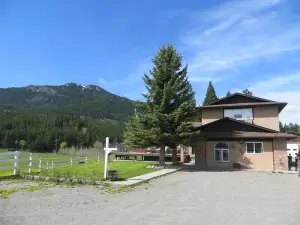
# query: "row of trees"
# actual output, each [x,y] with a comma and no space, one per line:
[46,132]
[289,127]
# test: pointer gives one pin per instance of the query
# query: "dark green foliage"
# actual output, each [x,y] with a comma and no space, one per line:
[289,127]
[228,94]
[281,126]
[78,115]
[71,99]
[170,105]
[210,96]
[40,130]
[247,92]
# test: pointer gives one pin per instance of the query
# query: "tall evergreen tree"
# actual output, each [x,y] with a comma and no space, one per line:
[169,107]
[228,94]
[247,92]
[281,127]
[210,96]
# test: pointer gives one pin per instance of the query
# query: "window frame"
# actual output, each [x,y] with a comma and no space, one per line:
[242,118]
[255,142]
[221,153]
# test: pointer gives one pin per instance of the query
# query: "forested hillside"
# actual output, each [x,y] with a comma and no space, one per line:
[76,114]
[71,99]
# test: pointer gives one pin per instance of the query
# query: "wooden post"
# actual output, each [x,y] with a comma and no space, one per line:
[16,163]
[107,151]
[106,157]
[47,163]
[40,164]
[30,163]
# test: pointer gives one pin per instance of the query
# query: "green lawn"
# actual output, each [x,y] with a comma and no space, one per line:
[45,156]
[93,170]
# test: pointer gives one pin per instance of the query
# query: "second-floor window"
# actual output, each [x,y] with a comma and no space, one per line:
[239,114]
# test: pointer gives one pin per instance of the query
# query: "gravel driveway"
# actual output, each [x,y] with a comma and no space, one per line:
[181,198]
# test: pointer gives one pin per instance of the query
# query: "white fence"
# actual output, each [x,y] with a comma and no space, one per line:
[23,160]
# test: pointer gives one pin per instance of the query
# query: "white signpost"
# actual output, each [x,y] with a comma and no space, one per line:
[107,151]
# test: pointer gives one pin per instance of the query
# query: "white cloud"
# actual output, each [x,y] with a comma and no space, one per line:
[288,92]
[135,77]
[101,81]
[130,85]
[236,34]
[236,37]
[280,81]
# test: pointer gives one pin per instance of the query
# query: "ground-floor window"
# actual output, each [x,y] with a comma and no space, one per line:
[221,152]
[254,148]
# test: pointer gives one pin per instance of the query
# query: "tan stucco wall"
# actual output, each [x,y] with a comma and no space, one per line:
[238,154]
[199,150]
[266,116]
[210,115]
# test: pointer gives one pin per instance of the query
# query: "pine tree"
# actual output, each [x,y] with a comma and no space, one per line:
[281,127]
[210,95]
[228,94]
[247,92]
[169,107]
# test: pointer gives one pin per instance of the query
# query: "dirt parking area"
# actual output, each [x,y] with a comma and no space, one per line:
[180,198]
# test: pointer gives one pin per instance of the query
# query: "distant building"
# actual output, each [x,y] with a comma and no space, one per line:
[293,146]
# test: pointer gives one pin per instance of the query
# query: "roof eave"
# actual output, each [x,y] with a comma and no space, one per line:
[280,104]
[240,94]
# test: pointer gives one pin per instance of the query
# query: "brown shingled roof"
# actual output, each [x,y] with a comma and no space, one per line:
[281,105]
[293,132]
[259,132]
[241,134]
[241,122]
[240,94]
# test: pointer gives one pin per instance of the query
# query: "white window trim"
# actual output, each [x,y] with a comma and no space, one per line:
[253,142]
[221,149]
[243,118]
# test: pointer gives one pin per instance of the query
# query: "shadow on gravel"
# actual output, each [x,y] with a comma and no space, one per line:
[192,168]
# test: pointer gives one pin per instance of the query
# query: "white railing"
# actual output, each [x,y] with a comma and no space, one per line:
[28,161]
[19,162]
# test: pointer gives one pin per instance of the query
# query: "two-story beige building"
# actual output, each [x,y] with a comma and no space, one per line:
[241,131]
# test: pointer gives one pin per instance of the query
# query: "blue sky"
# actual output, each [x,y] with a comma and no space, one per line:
[236,44]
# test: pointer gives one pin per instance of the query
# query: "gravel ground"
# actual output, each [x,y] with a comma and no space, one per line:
[4,185]
[180,198]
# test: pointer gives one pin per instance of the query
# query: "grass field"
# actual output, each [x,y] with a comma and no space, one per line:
[93,170]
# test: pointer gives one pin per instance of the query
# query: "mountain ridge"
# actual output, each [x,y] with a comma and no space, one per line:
[70,98]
